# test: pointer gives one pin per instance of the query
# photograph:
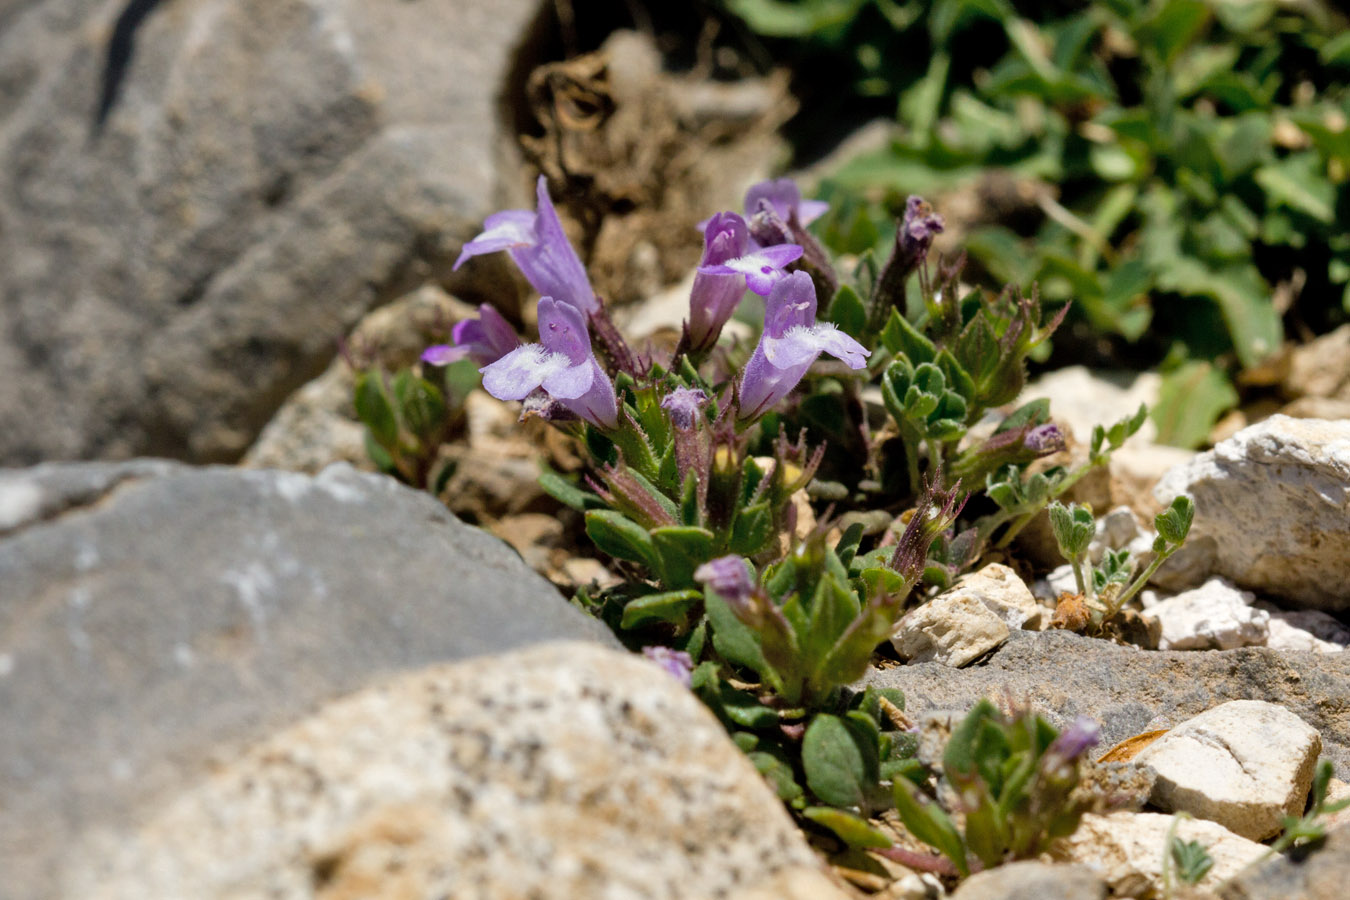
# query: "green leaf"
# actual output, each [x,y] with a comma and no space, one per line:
[926,821]
[669,606]
[681,549]
[899,336]
[840,766]
[420,403]
[1034,412]
[732,638]
[778,772]
[850,829]
[1174,523]
[620,537]
[565,492]
[1190,400]
[379,456]
[375,408]
[751,531]
[847,311]
[1300,182]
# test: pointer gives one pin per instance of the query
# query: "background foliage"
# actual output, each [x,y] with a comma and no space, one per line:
[1186,163]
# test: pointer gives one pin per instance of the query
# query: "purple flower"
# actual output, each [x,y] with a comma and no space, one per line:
[561,363]
[684,404]
[485,340]
[762,268]
[539,247]
[727,577]
[791,342]
[786,199]
[678,663]
[714,297]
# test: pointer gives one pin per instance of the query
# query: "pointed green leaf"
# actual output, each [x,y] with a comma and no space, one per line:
[669,606]
[375,408]
[926,821]
[681,550]
[620,537]
[852,830]
[899,336]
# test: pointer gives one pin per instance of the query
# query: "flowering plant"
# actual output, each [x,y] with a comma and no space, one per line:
[710,465]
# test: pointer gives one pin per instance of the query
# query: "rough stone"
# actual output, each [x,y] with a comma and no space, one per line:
[1126,849]
[1033,880]
[1130,691]
[200,197]
[1305,629]
[1214,616]
[566,770]
[1245,764]
[954,629]
[155,616]
[1006,595]
[1274,499]
[1115,530]
[1079,396]
[1321,367]
[1319,873]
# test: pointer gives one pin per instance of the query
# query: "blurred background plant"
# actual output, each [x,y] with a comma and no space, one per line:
[1176,168]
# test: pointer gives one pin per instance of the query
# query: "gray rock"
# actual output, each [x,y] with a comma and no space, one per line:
[565,770]
[155,616]
[1033,880]
[1214,616]
[199,197]
[1130,691]
[1274,499]
[1316,873]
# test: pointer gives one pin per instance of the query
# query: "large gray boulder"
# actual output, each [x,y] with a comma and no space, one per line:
[198,197]
[560,771]
[154,618]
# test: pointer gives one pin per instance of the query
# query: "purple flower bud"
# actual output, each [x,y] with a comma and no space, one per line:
[767,227]
[715,297]
[919,226]
[1044,440]
[484,340]
[679,664]
[539,247]
[1077,739]
[727,577]
[561,363]
[791,342]
[684,404]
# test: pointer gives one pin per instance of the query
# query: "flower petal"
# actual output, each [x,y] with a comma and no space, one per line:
[810,210]
[831,340]
[518,373]
[781,193]
[562,329]
[551,265]
[571,382]
[791,303]
[501,231]
[443,354]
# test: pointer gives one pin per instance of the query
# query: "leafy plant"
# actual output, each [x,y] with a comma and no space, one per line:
[1107,587]
[1014,778]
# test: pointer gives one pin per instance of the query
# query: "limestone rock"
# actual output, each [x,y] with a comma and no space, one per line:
[1130,691]
[155,617]
[1006,595]
[1274,499]
[1214,616]
[1080,398]
[1033,880]
[1126,850]
[1321,367]
[566,770]
[1305,629]
[1245,764]
[200,197]
[1318,874]
[953,629]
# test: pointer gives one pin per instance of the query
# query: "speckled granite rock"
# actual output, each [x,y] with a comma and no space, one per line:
[561,771]
[156,617]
